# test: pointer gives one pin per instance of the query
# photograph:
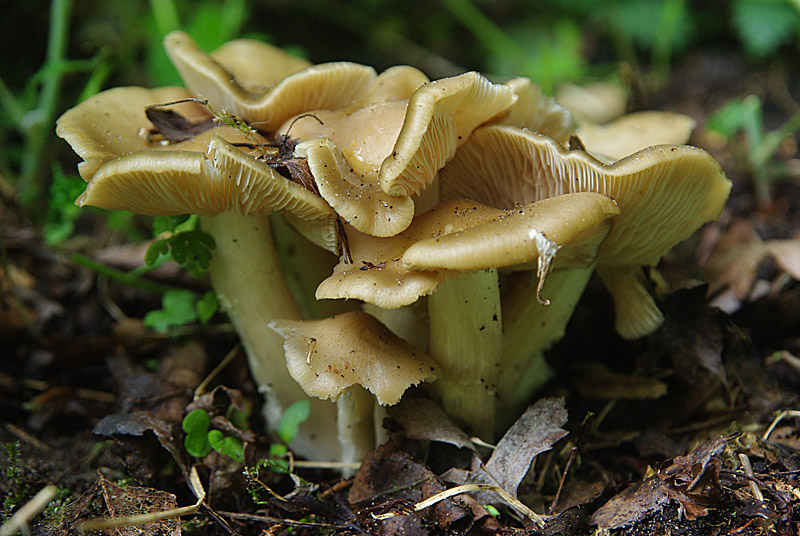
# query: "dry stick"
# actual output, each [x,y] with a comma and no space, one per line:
[213,374]
[748,470]
[509,499]
[19,521]
[28,438]
[573,452]
[782,415]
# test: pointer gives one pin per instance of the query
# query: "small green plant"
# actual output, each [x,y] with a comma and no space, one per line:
[200,440]
[180,307]
[180,238]
[16,490]
[61,208]
[746,116]
[288,426]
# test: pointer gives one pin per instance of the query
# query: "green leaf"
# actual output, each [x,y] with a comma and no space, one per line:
[764,25]
[196,424]
[239,417]
[196,421]
[207,306]
[156,250]
[61,209]
[197,445]
[177,309]
[291,420]
[732,117]
[230,446]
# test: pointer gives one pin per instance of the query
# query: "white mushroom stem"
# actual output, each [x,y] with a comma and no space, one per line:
[466,342]
[356,410]
[530,328]
[251,289]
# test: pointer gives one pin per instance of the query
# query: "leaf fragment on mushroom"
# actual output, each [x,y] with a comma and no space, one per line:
[113,123]
[328,356]
[323,86]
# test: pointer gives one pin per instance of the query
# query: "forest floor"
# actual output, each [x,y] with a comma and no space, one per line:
[694,430]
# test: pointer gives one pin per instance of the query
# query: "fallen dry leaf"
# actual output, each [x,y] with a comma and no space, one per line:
[422,418]
[536,431]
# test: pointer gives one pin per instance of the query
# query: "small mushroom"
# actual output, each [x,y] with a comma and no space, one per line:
[331,358]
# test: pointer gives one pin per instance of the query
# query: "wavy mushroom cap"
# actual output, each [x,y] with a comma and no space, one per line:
[327,357]
[165,183]
[440,117]
[664,193]
[318,87]
[634,132]
[113,124]
[360,202]
[462,235]
[536,111]
[422,133]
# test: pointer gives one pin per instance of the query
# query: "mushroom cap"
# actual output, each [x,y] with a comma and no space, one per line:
[365,136]
[395,271]
[536,111]
[664,193]
[360,202]
[440,117]
[164,183]
[599,102]
[328,356]
[520,235]
[324,86]
[110,124]
[633,132]
[395,83]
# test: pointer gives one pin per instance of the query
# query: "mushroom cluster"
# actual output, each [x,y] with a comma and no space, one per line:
[408,202]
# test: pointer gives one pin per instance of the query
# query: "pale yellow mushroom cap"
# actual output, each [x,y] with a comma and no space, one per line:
[423,132]
[664,193]
[324,86]
[327,357]
[113,124]
[536,111]
[360,202]
[518,236]
[163,183]
[463,235]
[633,132]
[440,117]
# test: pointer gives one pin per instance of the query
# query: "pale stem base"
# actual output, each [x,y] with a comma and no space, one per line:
[466,342]
[251,289]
